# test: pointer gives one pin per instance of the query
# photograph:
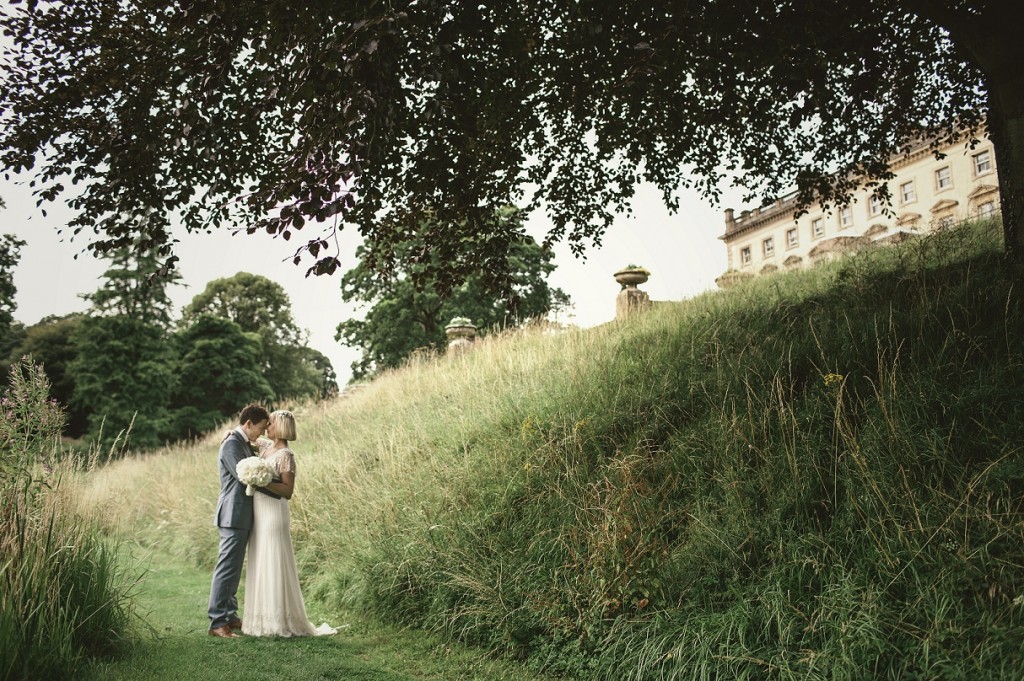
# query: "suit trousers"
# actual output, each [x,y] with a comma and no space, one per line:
[226,576]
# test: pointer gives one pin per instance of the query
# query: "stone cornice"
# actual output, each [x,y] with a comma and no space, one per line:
[759,216]
[751,220]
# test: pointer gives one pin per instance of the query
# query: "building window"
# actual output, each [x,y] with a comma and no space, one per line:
[943,178]
[983,163]
[945,221]
[745,255]
[792,238]
[768,247]
[907,192]
[845,217]
[817,228]
[874,206]
[986,209]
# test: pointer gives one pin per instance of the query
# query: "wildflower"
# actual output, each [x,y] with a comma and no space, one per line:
[527,426]
[832,380]
[578,426]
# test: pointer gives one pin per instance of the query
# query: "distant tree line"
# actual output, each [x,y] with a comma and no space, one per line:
[129,362]
[128,365]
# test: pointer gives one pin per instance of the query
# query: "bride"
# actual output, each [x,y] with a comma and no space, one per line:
[273,600]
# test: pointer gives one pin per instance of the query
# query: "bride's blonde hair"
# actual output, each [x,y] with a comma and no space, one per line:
[285,422]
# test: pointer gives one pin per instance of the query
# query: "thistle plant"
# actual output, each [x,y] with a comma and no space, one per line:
[30,423]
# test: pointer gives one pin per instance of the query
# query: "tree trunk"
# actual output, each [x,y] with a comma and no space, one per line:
[1006,129]
[989,36]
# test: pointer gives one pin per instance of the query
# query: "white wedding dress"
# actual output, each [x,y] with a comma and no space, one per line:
[273,600]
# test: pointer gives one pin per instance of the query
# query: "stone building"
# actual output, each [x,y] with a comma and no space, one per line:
[927,194]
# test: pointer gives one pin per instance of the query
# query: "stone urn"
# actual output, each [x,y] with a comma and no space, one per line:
[631,299]
[461,332]
[631,276]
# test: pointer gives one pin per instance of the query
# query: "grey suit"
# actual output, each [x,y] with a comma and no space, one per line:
[234,518]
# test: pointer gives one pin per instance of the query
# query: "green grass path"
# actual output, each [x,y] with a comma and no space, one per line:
[172,599]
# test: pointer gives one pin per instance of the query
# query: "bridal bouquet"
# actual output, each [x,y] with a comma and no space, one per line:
[254,472]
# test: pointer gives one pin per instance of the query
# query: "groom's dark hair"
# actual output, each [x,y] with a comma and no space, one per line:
[254,413]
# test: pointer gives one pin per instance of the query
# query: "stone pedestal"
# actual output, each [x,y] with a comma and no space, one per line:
[461,334]
[631,299]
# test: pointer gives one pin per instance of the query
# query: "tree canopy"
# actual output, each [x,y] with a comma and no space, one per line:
[275,115]
[10,254]
[255,303]
[406,312]
[125,374]
[131,288]
[218,373]
[262,307]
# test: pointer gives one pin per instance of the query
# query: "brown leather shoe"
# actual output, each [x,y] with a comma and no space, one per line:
[223,632]
[236,625]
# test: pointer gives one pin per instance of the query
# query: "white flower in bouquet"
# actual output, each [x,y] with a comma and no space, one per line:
[254,472]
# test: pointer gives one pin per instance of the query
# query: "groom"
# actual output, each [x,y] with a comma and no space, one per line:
[234,518]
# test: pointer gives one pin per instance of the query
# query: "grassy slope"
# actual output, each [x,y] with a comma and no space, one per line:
[686,495]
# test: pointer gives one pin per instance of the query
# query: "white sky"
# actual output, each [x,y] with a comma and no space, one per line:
[682,251]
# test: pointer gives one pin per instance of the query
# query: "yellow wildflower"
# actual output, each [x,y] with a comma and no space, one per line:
[832,380]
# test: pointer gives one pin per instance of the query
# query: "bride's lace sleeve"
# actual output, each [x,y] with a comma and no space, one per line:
[286,462]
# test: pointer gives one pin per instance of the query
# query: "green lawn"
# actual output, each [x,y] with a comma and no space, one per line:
[172,600]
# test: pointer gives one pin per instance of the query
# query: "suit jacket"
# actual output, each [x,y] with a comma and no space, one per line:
[234,508]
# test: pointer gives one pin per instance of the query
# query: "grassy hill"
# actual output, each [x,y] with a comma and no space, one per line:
[815,475]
